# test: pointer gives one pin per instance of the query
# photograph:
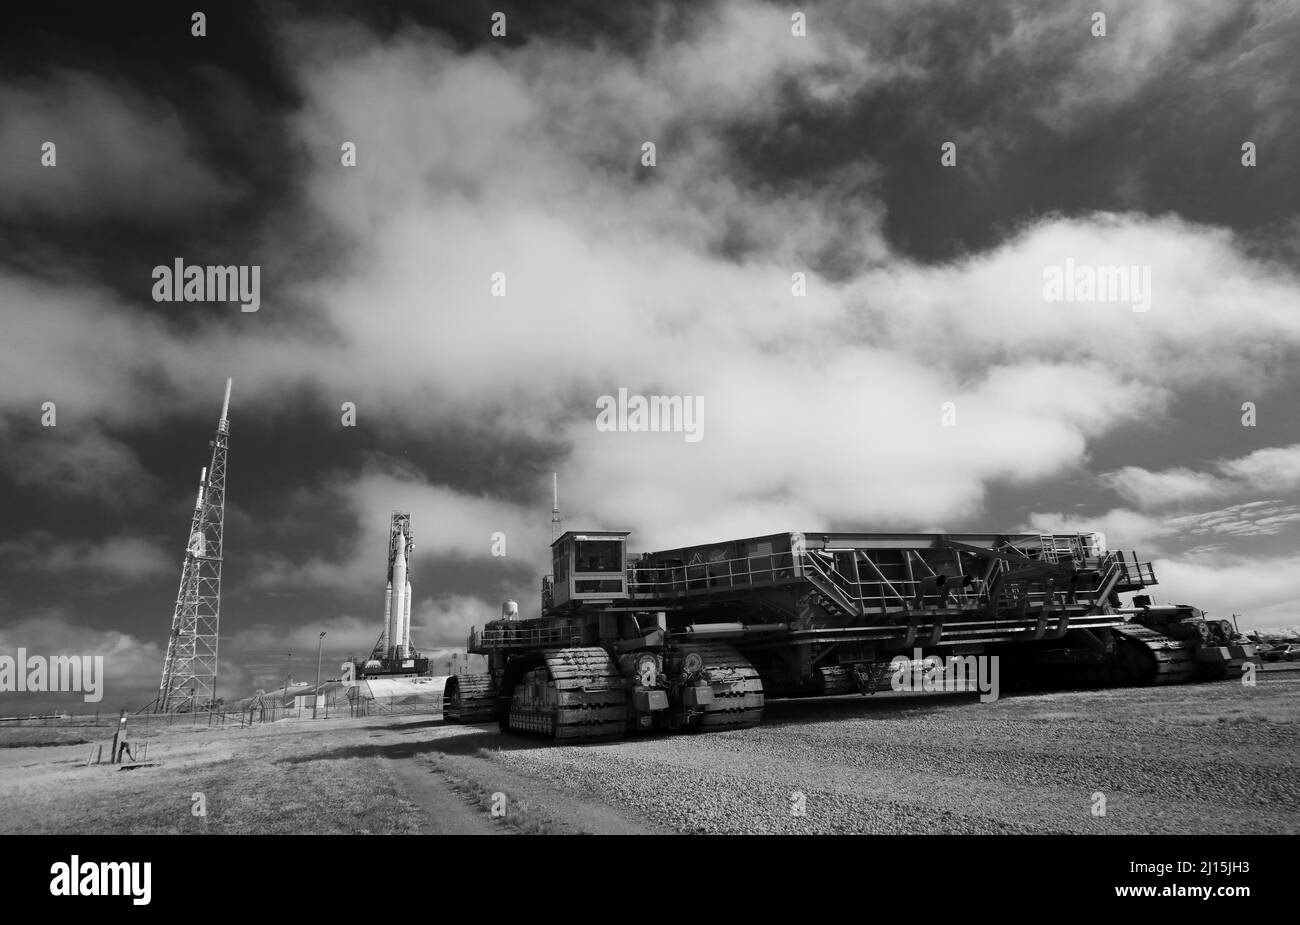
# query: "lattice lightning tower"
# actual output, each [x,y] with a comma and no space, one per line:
[189,678]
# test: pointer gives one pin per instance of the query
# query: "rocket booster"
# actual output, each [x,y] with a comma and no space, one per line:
[388,615]
[400,591]
[406,623]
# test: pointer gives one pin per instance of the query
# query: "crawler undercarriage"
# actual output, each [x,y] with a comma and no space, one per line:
[693,639]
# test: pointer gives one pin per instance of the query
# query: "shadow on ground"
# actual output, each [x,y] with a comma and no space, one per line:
[468,739]
[411,726]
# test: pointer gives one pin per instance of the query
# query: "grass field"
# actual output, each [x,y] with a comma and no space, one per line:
[280,778]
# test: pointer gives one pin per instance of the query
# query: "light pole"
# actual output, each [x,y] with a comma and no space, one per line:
[315,701]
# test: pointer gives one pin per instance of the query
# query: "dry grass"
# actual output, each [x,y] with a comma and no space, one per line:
[519,815]
[273,779]
[35,736]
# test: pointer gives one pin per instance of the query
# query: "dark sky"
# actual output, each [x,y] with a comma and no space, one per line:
[776,154]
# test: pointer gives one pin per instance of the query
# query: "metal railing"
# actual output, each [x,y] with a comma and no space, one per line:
[774,569]
[855,596]
[743,572]
[138,720]
[1134,571]
[510,637]
[843,592]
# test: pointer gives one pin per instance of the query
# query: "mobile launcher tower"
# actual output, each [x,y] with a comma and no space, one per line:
[393,654]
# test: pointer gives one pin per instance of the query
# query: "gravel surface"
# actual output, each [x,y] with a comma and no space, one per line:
[1216,758]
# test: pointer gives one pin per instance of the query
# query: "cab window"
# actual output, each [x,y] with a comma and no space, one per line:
[598,556]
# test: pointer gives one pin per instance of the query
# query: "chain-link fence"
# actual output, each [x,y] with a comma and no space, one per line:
[363,699]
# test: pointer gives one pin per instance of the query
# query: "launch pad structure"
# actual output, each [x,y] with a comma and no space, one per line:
[393,654]
[189,676]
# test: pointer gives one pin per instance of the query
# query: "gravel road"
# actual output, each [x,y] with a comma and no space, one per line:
[1216,758]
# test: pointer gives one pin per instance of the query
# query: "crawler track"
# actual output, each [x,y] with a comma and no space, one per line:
[575,694]
[1140,656]
[469,698]
[1159,660]
[736,685]
[837,679]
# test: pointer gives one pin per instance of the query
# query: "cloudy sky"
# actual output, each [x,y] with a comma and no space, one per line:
[775,154]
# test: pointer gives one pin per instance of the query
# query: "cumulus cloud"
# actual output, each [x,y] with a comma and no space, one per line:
[75,463]
[132,666]
[798,393]
[1145,45]
[1260,589]
[1267,470]
[1170,486]
[444,622]
[119,152]
[117,559]
[828,405]
[1270,469]
[1157,533]
[447,525]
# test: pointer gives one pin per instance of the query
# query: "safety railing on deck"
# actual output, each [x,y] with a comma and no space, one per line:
[863,595]
[511,636]
[769,569]
[1132,571]
[730,574]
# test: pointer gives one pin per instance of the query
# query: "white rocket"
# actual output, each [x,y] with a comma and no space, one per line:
[399,602]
